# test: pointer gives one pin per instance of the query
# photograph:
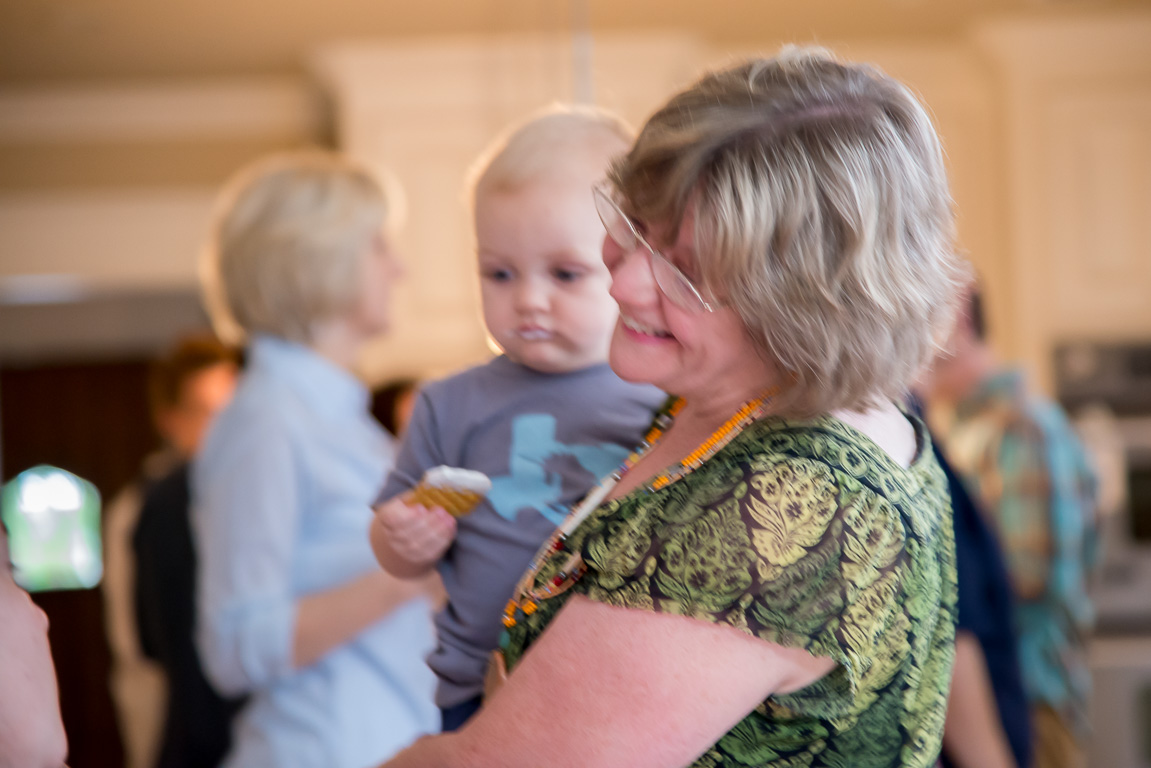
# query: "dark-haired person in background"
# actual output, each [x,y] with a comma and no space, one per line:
[1029,473]
[988,723]
[187,385]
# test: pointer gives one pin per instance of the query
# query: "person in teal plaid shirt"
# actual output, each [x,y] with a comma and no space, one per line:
[1019,456]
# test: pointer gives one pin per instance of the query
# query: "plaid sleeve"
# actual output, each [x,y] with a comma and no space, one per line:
[1017,489]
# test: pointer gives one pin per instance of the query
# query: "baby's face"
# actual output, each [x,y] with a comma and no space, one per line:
[544,283]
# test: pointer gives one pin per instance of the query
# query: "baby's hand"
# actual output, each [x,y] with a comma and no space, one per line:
[409,539]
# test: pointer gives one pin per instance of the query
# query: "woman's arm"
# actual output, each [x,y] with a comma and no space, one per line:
[247,501]
[619,687]
[245,511]
[327,620]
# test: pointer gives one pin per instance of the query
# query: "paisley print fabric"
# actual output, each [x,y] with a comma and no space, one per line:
[808,535]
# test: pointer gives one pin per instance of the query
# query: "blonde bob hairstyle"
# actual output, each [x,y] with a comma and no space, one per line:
[562,140]
[287,245]
[822,218]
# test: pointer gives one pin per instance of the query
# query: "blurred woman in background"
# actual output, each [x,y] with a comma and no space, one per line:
[292,606]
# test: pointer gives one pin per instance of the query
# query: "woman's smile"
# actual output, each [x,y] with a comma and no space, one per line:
[639,329]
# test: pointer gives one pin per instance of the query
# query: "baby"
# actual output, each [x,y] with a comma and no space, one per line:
[545,420]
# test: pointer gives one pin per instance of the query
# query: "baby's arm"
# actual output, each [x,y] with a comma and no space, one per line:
[409,539]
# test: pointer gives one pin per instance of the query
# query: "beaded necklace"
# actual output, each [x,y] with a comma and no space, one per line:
[526,596]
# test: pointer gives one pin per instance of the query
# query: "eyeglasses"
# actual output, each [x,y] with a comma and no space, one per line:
[672,283]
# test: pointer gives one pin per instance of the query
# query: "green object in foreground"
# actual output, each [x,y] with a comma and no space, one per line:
[53,522]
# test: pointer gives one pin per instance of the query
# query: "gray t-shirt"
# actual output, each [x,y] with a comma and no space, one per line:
[544,440]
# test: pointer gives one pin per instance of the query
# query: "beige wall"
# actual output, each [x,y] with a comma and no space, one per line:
[1045,122]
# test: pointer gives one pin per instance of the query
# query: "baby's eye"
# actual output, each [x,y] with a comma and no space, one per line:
[567,275]
[496,274]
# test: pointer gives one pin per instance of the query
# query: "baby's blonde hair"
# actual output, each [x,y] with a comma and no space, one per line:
[287,244]
[822,217]
[561,140]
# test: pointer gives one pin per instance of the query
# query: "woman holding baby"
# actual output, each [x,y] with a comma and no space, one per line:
[769,580]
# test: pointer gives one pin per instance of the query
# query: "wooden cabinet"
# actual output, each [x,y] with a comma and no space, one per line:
[1076,102]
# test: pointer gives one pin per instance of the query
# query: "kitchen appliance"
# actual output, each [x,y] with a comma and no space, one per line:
[1120,703]
[1106,388]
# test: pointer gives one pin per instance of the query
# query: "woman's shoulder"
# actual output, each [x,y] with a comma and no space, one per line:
[775,534]
[261,404]
[796,493]
[825,438]
[842,451]
[261,417]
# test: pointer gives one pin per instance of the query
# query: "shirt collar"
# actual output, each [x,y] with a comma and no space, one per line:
[320,382]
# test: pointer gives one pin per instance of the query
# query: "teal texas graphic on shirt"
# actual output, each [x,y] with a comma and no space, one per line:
[539,466]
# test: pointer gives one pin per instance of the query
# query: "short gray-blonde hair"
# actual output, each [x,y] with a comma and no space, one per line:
[562,139]
[822,217]
[288,242]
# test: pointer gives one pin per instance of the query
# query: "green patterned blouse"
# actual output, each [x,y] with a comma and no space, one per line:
[804,534]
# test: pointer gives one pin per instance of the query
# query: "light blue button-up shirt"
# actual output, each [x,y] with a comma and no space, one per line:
[281,494]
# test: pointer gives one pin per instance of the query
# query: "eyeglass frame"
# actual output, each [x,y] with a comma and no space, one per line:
[600,192]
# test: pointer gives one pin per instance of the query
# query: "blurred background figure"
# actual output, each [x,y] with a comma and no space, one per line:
[187,386]
[292,607]
[988,720]
[31,731]
[392,404]
[1028,471]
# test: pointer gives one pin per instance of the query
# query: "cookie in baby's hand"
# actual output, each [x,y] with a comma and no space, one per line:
[457,490]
